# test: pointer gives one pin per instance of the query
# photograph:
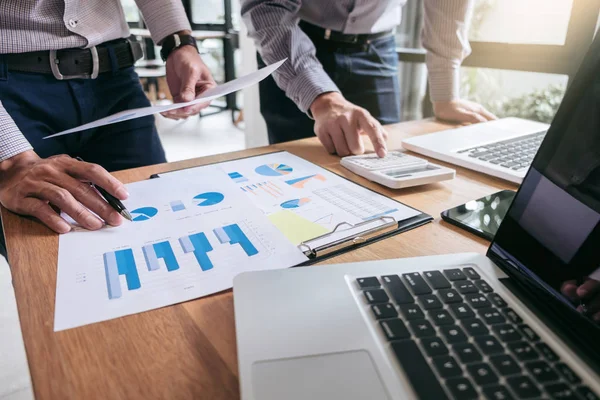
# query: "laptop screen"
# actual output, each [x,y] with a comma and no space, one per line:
[550,236]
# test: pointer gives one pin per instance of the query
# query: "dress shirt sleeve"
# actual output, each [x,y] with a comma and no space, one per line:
[12,141]
[163,17]
[445,36]
[273,25]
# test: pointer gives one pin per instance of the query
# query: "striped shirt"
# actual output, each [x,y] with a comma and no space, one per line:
[274,27]
[32,25]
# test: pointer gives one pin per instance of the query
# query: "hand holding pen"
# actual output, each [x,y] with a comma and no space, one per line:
[114,202]
[33,186]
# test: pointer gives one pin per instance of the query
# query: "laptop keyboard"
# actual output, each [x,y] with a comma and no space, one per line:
[516,154]
[456,338]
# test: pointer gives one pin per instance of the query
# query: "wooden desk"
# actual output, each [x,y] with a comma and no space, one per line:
[187,351]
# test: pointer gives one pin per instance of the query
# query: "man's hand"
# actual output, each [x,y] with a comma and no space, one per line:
[587,293]
[462,111]
[339,125]
[187,77]
[30,185]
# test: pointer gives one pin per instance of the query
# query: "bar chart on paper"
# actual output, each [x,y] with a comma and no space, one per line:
[199,245]
[157,251]
[177,205]
[117,263]
[237,177]
[268,189]
[233,235]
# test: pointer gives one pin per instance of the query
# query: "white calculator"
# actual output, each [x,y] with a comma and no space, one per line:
[397,169]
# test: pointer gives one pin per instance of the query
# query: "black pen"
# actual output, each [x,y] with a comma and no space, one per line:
[111,200]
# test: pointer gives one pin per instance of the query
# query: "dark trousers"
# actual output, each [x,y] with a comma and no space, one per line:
[367,76]
[41,105]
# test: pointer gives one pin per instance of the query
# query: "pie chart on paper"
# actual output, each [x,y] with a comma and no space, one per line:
[296,203]
[143,213]
[208,199]
[273,170]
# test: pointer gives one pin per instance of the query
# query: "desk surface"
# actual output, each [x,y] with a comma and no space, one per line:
[188,350]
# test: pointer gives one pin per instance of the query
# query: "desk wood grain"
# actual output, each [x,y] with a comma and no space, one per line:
[188,351]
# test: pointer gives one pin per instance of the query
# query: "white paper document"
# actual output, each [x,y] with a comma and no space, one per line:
[304,200]
[187,241]
[194,230]
[209,95]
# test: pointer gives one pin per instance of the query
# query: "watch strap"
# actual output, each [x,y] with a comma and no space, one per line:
[176,41]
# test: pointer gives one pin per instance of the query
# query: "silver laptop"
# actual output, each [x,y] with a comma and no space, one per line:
[519,323]
[504,148]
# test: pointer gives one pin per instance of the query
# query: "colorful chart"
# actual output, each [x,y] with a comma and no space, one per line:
[143,213]
[301,182]
[237,177]
[263,188]
[296,203]
[274,170]
[208,199]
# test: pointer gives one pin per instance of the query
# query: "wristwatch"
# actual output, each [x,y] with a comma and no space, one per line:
[176,41]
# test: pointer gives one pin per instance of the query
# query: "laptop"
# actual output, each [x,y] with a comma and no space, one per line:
[503,148]
[522,322]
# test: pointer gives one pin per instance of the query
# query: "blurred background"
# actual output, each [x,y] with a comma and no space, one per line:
[523,54]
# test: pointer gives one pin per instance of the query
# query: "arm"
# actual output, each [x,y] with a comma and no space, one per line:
[12,141]
[28,184]
[273,24]
[187,75]
[445,36]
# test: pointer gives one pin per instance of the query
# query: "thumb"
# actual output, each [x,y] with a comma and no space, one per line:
[187,91]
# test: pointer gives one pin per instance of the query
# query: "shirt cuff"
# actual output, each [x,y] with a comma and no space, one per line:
[12,141]
[308,85]
[164,18]
[444,85]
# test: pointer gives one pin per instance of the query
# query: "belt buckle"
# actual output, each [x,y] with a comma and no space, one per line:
[54,62]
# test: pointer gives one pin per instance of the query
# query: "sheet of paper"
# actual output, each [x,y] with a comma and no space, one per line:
[188,239]
[209,95]
[283,182]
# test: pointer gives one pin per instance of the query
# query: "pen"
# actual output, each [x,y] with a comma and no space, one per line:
[111,200]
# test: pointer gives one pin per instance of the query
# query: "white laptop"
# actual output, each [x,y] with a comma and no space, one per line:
[522,322]
[504,148]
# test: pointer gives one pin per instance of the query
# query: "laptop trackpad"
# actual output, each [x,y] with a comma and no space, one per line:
[348,376]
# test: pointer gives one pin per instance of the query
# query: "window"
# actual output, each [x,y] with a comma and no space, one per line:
[521,21]
[530,95]
[131,11]
[208,11]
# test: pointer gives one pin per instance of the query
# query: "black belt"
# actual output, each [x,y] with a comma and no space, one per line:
[77,63]
[339,38]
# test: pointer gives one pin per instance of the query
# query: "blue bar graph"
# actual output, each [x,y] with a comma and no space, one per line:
[199,245]
[233,234]
[117,263]
[152,252]
[177,205]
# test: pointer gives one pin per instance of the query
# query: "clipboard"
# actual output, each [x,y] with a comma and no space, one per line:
[318,252]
